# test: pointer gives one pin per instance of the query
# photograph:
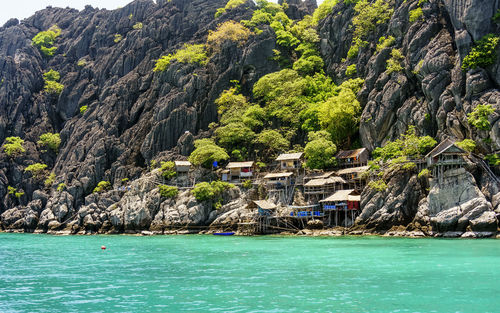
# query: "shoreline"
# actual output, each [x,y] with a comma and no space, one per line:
[302,233]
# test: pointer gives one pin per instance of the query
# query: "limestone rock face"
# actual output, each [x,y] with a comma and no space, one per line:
[456,205]
[395,206]
[135,115]
[431,92]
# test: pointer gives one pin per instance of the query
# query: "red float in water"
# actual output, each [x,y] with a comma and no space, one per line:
[103,247]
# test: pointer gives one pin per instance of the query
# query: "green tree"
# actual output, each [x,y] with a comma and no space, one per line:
[37,170]
[61,187]
[229,31]
[50,140]
[254,117]
[50,180]
[51,79]
[271,142]
[479,116]
[211,191]
[409,145]
[206,152]
[282,92]
[340,115]
[482,54]
[323,10]
[468,145]
[168,170]
[189,54]
[44,40]
[169,192]
[231,4]
[234,135]
[320,151]
[102,186]
[14,146]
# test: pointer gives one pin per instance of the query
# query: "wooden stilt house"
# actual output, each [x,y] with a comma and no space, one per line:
[445,156]
[353,176]
[239,171]
[352,158]
[342,207]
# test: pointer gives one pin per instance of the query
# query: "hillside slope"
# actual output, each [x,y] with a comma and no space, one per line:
[135,115]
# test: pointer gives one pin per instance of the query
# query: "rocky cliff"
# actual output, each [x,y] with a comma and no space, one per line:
[135,115]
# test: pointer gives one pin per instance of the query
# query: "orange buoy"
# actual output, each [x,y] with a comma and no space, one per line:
[103,247]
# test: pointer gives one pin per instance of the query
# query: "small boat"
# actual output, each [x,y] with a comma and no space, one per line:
[224,234]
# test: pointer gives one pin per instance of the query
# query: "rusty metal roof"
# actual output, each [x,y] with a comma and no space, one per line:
[346,154]
[443,146]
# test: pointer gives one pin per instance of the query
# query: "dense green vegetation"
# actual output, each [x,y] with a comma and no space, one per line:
[467,144]
[51,79]
[482,54]
[479,116]
[137,25]
[168,170]
[424,173]
[117,38]
[378,185]
[102,186]
[320,151]
[50,140]
[416,14]
[44,40]
[188,54]
[211,192]
[61,187]
[323,10]
[368,16]
[408,145]
[206,152]
[394,63]
[37,170]
[83,109]
[13,146]
[496,17]
[231,4]
[351,70]
[50,180]
[294,103]
[169,192]
[493,159]
[397,155]
[384,42]
[228,31]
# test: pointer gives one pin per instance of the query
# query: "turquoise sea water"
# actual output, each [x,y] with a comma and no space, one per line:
[41,273]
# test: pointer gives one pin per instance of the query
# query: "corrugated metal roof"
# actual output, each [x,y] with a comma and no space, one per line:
[182,163]
[345,154]
[339,195]
[264,204]
[325,175]
[278,175]
[325,181]
[240,164]
[289,156]
[442,147]
[352,170]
